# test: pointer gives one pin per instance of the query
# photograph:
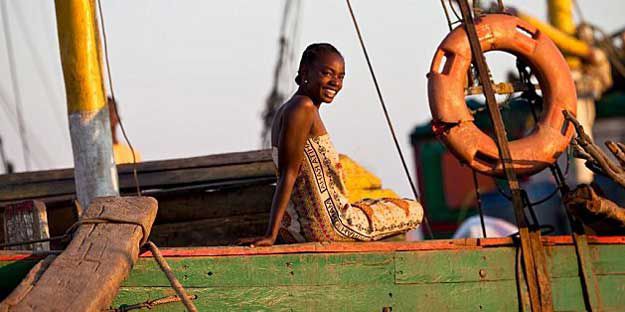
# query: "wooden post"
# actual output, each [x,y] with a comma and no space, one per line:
[26,221]
[95,171]
[87,275]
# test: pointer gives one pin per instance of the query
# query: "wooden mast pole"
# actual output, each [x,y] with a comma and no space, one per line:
[95,171]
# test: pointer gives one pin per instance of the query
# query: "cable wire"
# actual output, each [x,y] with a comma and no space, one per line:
[111,89]
[10,115]
[447,17]
[388,118]
[453,9]
[57,111]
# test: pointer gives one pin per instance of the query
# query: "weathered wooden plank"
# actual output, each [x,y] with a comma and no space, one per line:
[498,264]
[203,161]
[416,267]
[198,175]
[609,259]
[147,166]
[35,189]
[490,264]
[16,192]
[26,221]
[293,298]
[336,280]
[466,296]
[86,276]
[295,269]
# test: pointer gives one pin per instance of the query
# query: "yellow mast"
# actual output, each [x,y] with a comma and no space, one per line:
[95,172]
[561,29]
[561,17]
[568,44]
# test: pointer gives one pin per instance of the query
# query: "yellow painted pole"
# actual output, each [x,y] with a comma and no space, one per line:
[567,43]
[560,14]
[94,168]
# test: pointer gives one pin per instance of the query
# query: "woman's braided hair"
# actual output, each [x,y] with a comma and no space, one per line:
[311,54]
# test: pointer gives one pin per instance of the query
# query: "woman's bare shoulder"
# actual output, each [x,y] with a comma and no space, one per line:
[298,109]
[298,104]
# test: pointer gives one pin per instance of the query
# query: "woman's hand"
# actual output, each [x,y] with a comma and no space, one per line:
[257,241]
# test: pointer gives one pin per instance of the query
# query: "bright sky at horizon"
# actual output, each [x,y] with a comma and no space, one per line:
[191,77]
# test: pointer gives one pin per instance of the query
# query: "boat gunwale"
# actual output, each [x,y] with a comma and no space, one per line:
[337,247]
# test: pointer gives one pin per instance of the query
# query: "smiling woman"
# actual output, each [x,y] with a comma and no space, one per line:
[310,202]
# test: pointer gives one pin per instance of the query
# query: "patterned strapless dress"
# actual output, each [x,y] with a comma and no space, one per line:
[320,211]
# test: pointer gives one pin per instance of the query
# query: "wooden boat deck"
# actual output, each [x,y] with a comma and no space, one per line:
[440,275]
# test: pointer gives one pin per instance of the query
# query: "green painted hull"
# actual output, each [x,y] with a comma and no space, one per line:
[367,277]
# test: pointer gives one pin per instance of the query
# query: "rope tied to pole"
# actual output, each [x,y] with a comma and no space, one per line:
[111,89]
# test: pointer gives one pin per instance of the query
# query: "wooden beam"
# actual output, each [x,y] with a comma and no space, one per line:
[157,165]
[87,275]
[157,174]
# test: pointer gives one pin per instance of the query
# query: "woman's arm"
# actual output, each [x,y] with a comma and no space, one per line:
[298,121]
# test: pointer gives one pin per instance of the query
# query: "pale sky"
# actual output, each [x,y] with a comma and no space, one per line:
[191,77]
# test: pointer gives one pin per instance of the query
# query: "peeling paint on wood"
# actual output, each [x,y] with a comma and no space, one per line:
[362,277]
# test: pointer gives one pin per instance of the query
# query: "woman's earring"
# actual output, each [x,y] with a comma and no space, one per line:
[305,81]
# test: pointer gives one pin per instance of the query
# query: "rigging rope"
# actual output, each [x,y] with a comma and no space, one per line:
[10,113]
[14,84]
[449,23]
[111,89]
[453,9]
[388,118]
[58,113]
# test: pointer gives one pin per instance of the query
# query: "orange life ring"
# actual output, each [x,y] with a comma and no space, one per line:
[446,92]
